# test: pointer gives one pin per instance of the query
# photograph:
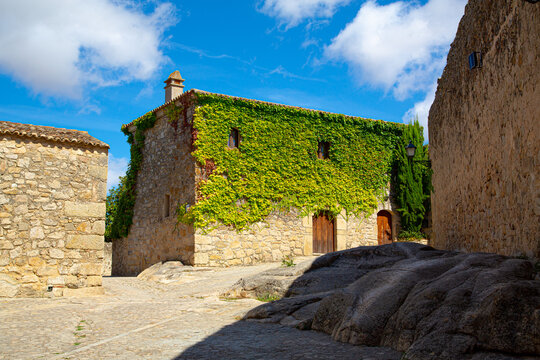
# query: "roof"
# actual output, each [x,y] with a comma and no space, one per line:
[50,133]
[193,91]
[175,75]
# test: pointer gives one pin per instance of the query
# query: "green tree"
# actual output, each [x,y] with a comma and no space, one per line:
[412,179]
[112,208]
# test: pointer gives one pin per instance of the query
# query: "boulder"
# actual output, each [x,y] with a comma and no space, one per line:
[168,272]
[163,272]
[427,303]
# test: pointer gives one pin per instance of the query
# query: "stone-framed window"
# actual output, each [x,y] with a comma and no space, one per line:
[234,139]
[167,206]
[323,150]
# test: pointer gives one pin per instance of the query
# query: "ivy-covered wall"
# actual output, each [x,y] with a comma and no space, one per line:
[224,203]
[276,165]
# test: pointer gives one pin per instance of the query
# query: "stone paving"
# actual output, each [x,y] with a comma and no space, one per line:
[139,319]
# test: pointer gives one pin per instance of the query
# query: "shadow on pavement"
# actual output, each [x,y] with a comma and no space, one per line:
[254,340]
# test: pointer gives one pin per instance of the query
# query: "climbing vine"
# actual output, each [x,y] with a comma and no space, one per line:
[123,200]
[276,165]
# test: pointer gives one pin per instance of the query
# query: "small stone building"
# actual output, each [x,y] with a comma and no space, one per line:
[484,133]
[169,175]
[53,185]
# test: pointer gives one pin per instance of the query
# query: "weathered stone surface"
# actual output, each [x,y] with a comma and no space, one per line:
[37,233]
[90,242]
[274,282]
[99,172]
[56,253]
[84,209]
[8,286]
[484,133]
[167,272]
[427,303]
[6,245]
[107,259]
[84,292]
[34,227]
[46,271]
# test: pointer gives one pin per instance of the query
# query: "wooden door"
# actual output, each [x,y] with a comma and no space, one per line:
[323,234]
[384,227]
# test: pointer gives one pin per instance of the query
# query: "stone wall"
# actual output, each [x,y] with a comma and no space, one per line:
[165,179]
[52,217]
[484,130]
[107,259]
[279,236]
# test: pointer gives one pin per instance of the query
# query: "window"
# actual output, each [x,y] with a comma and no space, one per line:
[167,206]
[324,150]
[234,139]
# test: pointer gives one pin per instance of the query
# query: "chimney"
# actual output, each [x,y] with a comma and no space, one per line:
[174,86]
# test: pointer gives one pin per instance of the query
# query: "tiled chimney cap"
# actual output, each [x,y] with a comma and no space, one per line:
[175,75]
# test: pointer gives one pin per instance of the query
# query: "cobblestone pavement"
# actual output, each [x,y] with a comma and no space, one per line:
[144,320]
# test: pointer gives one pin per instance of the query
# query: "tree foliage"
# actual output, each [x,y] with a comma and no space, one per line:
[412,179]
[112,208]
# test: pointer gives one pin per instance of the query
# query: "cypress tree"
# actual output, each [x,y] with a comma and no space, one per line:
[412,179]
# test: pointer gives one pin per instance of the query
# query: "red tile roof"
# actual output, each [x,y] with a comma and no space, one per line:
[50,133]
[193,91]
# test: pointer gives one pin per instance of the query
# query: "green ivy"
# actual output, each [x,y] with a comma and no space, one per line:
[123,200]
[276,166]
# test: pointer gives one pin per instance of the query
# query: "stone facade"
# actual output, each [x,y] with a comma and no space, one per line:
[52,211]
[484,130]
[168,176]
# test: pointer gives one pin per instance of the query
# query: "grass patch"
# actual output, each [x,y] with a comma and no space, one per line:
[268,297]
[287,261]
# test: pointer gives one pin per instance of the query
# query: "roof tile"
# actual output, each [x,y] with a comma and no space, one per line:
[50,133]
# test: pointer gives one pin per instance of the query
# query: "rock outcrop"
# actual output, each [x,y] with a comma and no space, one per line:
[428,303]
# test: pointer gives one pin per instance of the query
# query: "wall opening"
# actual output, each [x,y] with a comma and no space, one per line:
[384,227]
[234,139]
[167,206]
[324,239]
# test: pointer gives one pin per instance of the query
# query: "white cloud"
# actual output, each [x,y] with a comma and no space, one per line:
[401,46]
[117,168]
[57,47]
[293,12]
[422,110]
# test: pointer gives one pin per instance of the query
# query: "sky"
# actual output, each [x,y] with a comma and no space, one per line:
[95,65]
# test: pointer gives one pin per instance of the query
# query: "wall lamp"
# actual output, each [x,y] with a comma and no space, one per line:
[475,60]
[411,151]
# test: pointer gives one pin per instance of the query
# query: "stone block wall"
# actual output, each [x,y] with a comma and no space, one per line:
[52,217]
[166,178]
[484,130]
[282,235]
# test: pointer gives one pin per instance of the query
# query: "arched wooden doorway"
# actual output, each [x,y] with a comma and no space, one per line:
[323,233]
[384,227]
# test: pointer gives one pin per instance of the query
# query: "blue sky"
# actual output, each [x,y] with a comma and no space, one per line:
[94,65]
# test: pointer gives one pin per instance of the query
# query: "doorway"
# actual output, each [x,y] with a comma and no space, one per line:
[323,233]
[384,227]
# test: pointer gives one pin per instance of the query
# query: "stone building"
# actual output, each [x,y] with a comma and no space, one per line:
[169,175]
[484,132]
[53,185]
